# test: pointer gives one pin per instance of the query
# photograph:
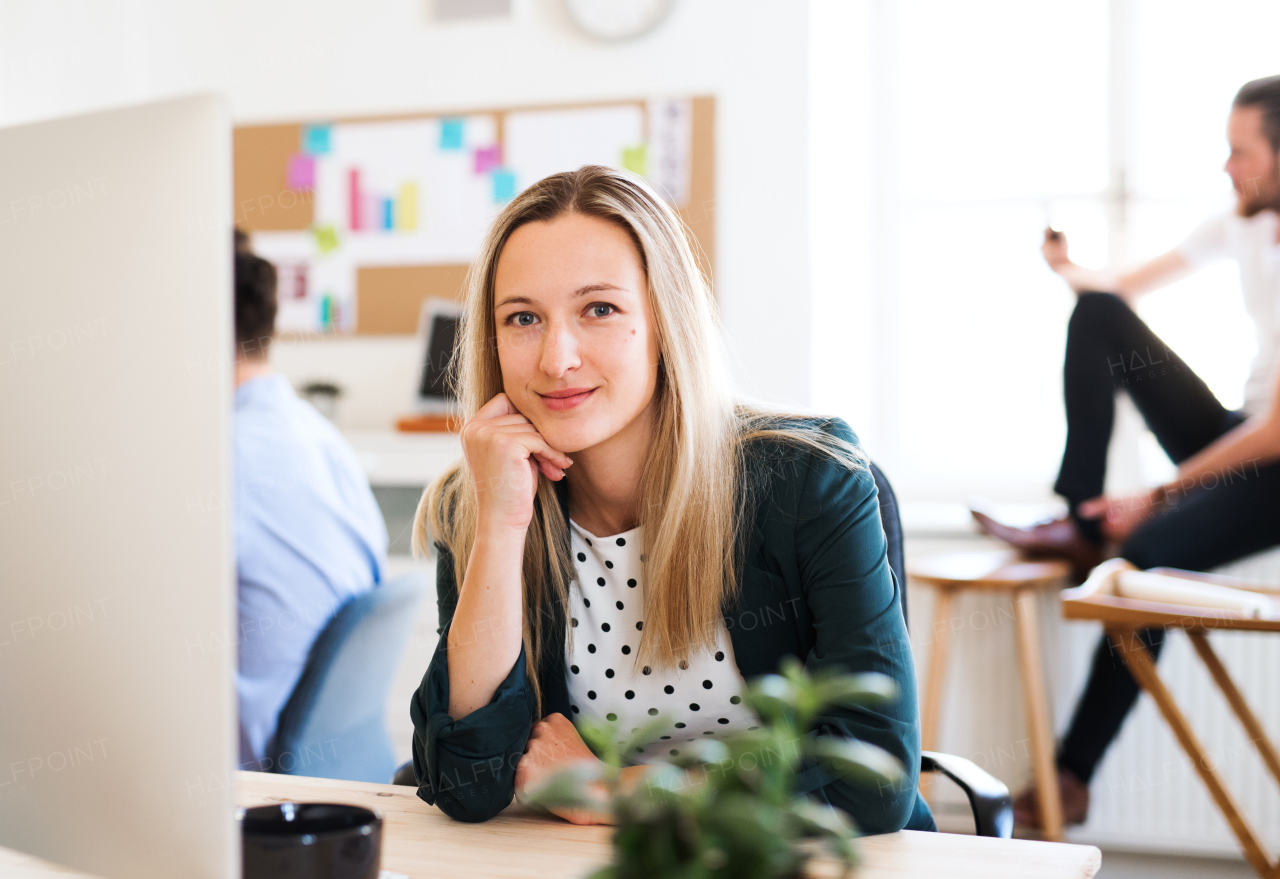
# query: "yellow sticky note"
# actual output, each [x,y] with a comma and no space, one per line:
[635,159]
[326,238]
[407,207]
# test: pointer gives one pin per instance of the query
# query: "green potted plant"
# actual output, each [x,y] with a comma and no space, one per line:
[726,808]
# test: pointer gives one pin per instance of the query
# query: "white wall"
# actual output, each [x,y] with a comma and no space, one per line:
[846,354]
[293,59]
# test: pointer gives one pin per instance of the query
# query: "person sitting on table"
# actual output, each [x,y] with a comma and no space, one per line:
[1225,502]
[308,533]
[623,538]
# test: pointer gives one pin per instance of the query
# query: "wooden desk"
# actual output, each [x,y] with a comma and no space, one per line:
[423,843]
[1097,599]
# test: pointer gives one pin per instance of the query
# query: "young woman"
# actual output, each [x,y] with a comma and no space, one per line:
[622,538]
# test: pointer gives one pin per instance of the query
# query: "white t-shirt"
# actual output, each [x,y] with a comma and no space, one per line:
[606,603]
[1252,244]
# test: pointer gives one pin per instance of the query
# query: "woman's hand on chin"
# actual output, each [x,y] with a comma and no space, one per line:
[505,452]
[554,744]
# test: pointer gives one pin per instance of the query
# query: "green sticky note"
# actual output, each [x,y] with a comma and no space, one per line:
[326,238]
[635,159]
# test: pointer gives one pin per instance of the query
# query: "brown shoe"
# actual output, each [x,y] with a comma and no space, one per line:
[1054,539]
[1075,802]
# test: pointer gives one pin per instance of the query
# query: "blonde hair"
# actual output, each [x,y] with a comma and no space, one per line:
[692,495]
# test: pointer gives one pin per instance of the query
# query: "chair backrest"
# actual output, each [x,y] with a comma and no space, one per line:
[891,519]
[334,724]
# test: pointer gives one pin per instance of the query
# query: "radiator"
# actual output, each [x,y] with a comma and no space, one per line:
[1147,796]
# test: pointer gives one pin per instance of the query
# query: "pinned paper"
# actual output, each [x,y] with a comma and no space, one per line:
[635,159]
[488,158]
[451,134]
[407,208]
[504,185]
[326,238]
[316,140]
[301,173]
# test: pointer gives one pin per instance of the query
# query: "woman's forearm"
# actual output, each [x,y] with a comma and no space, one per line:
[485,635]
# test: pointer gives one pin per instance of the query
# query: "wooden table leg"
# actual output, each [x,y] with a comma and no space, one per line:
[1039,722]
[1247,719]
[1139,661]
[931,709]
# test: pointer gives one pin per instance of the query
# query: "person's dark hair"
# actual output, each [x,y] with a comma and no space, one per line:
[255,304]
[1265,95]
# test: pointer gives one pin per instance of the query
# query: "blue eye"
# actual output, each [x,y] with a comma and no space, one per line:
[522,319]
[601,309]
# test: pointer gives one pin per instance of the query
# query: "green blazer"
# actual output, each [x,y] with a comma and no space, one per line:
[816,584]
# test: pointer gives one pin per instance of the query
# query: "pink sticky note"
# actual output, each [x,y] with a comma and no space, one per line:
[302,171]
[488,158]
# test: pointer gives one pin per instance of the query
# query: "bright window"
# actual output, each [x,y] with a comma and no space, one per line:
[984,120]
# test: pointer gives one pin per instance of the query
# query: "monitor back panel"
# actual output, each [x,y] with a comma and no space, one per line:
[117,723]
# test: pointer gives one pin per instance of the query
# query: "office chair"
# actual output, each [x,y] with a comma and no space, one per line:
[334,724]
[988,797]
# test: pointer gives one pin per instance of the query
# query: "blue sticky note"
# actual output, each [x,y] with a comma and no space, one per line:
[450,134]
[504,185]
[315,139]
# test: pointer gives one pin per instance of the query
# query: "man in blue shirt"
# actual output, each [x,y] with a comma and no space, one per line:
[309,535]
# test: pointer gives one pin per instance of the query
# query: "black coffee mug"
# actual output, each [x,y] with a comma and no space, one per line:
[311,841]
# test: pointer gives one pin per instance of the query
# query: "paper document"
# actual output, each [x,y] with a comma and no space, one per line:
[1145,586]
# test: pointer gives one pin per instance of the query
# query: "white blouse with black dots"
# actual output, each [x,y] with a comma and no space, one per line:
[701,699]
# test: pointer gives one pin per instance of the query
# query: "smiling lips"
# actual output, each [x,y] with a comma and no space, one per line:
[560,401]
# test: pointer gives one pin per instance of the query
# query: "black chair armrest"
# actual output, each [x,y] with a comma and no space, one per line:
[404,775]
[989,798]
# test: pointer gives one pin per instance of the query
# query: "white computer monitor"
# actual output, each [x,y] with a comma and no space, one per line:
[117,591]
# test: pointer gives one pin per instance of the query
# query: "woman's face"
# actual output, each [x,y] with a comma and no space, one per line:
[575,334]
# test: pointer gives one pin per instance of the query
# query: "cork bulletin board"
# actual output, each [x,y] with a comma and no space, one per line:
[367,217]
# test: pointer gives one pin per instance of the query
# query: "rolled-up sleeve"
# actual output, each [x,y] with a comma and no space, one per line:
[856,610]
[467,767]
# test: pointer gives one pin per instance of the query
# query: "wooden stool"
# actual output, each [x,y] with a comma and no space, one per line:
[1003,571]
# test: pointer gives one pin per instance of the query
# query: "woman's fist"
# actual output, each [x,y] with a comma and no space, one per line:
[554,744]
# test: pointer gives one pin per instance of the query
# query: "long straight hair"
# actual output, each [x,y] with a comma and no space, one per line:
[692,495]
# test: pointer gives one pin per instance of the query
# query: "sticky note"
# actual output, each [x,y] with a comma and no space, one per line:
[316,140]
[301,173]
[407,207]
[326,238]
[487,158]
[355,201]
[370,212]
[504,185]
[635,159]
[451,134]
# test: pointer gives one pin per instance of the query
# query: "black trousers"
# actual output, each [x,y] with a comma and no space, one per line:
[1224,517]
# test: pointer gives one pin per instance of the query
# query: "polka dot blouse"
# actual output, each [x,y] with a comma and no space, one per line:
[701,699]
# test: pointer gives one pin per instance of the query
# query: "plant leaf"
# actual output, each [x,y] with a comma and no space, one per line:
[862,689]
[570,788]
[822,818]
[863,762]
[646,733]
